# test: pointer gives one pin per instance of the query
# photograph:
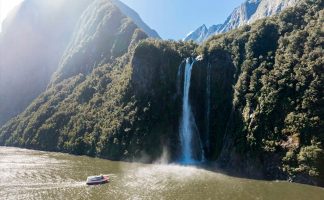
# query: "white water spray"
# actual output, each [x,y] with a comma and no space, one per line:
[187,122]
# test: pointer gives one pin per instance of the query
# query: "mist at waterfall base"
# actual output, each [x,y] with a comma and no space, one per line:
[192,151]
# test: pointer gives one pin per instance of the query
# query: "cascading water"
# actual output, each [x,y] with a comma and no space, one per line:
[187,124]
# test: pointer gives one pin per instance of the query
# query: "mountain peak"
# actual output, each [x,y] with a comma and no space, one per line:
[53,32]
[136,18]
[198,35]
[248,12]
[203,27]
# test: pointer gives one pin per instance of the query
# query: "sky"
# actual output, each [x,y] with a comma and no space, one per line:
[172,19]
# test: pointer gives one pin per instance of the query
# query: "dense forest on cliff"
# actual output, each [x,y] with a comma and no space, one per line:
[278,94]
[116,95]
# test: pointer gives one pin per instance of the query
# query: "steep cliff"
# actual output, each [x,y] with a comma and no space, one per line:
[31,44]
[136,19]
[38,33]
[119,97]
[276,127]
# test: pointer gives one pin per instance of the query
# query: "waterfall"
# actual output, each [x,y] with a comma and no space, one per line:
[208,106]
[188,129]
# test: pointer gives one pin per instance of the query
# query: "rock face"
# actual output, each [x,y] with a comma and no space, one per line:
[136,19]
[118,95]
[247,13]
[98,49]
[270,7]
[198,35]
[33,41]
[102,34]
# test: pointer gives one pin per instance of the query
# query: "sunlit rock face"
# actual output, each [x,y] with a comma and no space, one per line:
[247,13]
[38,33]
[103,34]
[198,35]
[270,7]
[32,41]
[136,18]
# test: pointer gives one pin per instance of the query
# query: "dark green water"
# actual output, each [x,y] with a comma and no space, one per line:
[26,174]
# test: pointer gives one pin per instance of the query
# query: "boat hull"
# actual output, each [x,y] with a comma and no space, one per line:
[100,182]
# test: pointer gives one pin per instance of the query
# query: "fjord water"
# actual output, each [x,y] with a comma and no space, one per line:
[28,174]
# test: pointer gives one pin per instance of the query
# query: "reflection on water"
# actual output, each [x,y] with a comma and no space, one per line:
[26,174]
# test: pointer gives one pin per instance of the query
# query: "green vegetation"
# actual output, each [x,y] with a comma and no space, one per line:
[122,100]
[109,113]
[278,95]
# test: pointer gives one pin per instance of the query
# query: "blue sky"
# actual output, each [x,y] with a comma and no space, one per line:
[173,19]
